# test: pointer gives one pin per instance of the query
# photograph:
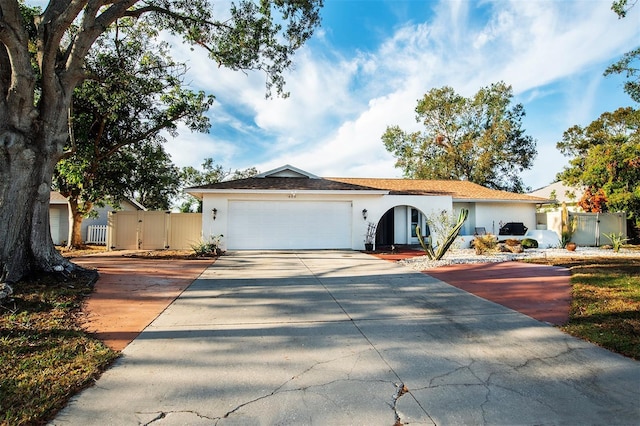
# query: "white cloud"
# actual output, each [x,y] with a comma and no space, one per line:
[190,149]
[319,95]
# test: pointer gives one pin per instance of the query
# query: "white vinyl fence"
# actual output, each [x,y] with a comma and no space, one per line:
[153,230]
[590,227]
[96,234]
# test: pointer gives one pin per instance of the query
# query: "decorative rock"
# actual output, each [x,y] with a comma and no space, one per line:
[5,291]
[516,249]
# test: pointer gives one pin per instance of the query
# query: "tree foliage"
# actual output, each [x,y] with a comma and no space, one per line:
[479,139]
[210,173]
[629,66]
[133,93]
[43,57]
[152,179]
[605,157]
[621,7]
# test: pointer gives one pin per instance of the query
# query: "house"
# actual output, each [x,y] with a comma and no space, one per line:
[60,218]
[558,193]
[289,208]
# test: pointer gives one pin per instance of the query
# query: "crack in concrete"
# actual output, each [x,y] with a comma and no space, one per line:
[401,389]
[163,414]
[362,333]
[278,391]
[488,384]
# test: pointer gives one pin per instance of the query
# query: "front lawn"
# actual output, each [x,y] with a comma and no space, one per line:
[605,307]
[45,355]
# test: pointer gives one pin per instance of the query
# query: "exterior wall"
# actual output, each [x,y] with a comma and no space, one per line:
[376,206]
[470,224]
[220,226]
[486,214]
[59,223]
[490,215]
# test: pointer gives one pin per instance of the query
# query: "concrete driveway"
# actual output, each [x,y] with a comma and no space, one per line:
[335,338]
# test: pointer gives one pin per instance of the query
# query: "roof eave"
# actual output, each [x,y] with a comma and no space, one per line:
[289,191]
[495,200]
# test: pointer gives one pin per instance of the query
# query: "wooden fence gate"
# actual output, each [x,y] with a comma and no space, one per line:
[153,230]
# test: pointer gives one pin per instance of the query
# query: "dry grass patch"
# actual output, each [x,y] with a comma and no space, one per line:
[89,250]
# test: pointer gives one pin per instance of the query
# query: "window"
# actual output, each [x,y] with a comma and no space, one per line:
[415,221]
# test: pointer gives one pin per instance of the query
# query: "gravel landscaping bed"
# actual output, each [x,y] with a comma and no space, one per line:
[461,256]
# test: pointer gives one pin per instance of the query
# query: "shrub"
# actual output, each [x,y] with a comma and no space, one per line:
[211,248]
[484,243]
[529,243]
[511,242]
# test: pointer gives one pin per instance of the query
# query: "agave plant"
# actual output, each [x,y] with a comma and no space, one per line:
[617,240]
[437,253]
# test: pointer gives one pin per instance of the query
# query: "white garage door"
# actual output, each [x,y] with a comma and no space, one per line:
[289,225]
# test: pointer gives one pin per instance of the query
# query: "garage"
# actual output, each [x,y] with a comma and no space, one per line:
[289,224]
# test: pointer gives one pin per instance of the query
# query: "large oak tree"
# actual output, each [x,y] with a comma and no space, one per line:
[38,78]
[479,139]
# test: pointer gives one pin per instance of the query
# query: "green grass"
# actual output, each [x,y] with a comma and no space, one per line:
[605,307]
[45,355]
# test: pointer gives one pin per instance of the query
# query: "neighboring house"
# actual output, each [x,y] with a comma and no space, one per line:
[288,208]
[558,193]
[60,217]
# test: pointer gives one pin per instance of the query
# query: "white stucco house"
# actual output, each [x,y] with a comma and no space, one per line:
[60,217]
[289,208]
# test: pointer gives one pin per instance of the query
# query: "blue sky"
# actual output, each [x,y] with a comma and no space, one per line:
[371,60]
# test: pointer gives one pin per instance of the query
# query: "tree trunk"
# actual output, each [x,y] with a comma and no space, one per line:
[26,170]
[77,216]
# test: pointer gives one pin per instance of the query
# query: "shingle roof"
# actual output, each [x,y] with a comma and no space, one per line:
[285,183]
[457,189]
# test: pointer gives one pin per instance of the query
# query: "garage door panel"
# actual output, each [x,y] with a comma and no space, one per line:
[289,225]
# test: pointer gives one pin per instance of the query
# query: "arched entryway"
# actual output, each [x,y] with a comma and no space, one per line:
[397,226]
